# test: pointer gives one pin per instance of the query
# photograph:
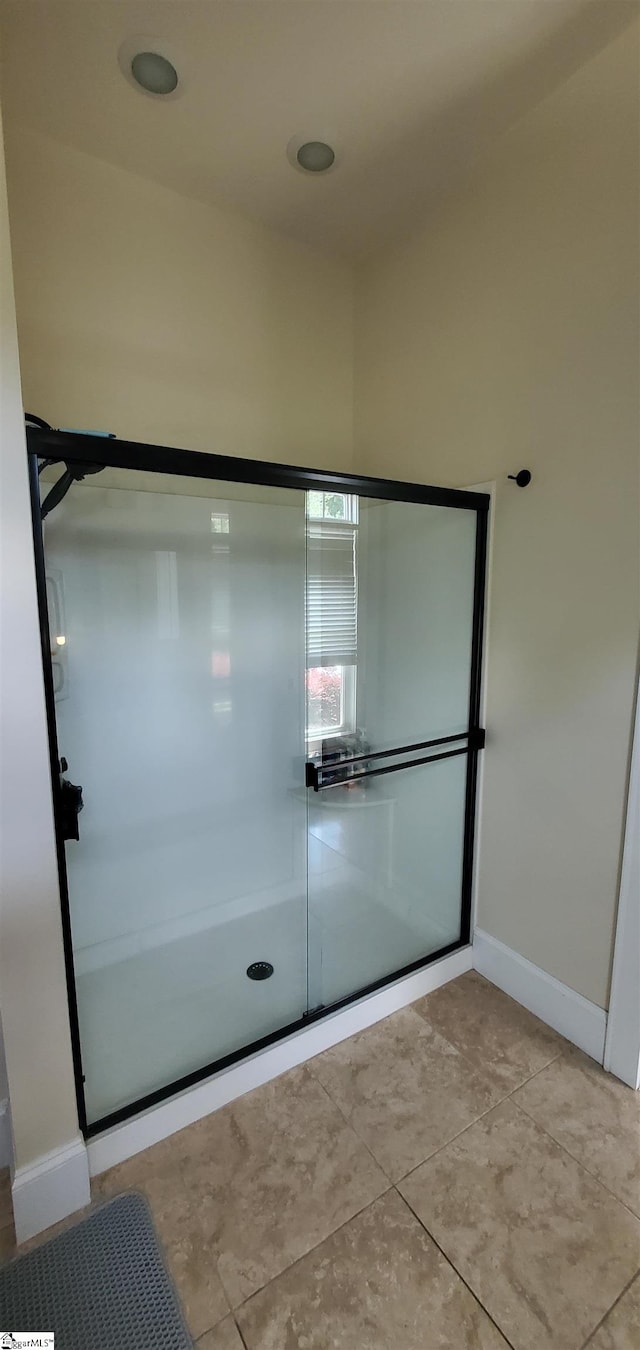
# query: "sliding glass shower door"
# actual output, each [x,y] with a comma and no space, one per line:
[388,770]
[177,640]
[263,700]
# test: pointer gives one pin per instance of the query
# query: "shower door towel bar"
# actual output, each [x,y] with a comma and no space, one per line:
[320,778]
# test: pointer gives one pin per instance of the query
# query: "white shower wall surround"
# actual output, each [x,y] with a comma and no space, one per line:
[180,708]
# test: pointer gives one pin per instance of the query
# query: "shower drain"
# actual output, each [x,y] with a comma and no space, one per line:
[259,970]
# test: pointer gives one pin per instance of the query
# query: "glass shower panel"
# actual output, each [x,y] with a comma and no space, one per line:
[179,683]
[386,838]
[416,574]
[385,875]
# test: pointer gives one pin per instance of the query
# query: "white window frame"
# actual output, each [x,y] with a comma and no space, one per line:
[351,507]
[314,736]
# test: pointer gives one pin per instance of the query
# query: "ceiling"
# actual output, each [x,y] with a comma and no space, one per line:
[408,91]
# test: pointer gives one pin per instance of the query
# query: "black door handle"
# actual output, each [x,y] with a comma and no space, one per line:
[71,804]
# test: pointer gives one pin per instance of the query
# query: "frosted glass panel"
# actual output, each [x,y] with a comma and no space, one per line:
[415,613]
[385,875]
[386,840]
[180,710]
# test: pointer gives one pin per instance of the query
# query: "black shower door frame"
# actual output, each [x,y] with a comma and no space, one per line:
[77,449]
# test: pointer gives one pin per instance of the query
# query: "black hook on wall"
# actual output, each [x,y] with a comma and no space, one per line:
[523,478]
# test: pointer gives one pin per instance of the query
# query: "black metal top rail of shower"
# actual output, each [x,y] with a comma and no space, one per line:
[83,452]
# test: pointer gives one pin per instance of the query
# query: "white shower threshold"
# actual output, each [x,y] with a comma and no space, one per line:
[149,1127]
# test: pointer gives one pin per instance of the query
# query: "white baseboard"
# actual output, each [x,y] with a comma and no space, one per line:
[51,1188]
[134,1135]
[583,1023]
[622,1047]
[6,1149]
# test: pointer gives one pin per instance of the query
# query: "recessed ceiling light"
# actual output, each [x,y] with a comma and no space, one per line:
[150,64]
[154,73]
[316,156]
[310,154]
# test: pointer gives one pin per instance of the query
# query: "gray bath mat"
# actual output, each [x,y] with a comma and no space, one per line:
[101,1285]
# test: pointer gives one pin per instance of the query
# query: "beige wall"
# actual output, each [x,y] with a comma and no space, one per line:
[33,997]
[506,336]
[147,314]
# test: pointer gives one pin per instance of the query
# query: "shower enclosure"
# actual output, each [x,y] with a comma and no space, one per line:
[266,683]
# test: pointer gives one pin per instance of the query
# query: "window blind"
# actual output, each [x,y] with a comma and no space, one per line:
[332,610]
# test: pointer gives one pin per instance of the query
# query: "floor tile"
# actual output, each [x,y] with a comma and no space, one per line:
[6,1207]
[404,1088]
[594,1116]
[379,1283]
[7,1243]
[621,1328]
[280,1171]
[223,1337]
[544,1246]
[49,1233]
[159,1173]
[508,1043]
[191,1255]
[249,1189]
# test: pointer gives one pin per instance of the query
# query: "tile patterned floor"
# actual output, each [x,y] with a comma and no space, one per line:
[455,1178]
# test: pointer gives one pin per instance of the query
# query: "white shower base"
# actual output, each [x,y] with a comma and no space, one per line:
[185,1001]
[154,1017]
